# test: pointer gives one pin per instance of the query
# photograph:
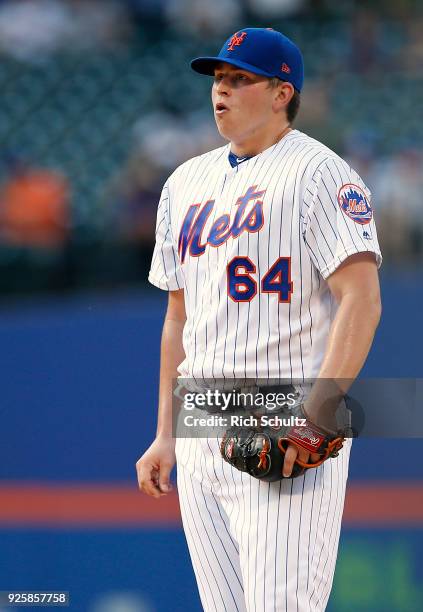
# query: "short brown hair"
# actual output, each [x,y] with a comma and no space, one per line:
[294,104]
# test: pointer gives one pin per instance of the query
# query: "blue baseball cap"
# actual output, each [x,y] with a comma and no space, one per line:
[260,50]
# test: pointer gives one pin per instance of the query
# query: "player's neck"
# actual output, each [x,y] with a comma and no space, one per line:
[254,146]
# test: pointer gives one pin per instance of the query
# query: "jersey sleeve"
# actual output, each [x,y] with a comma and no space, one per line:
[165,271]
[338,219]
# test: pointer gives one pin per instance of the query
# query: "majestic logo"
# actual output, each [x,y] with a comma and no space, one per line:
[285,68]
[355,204]
[236,40]
[248,218]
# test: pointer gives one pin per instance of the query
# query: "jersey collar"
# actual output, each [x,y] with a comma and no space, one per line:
[235,161]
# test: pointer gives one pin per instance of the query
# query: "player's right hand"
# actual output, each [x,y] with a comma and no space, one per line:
[292,454]
[154,467]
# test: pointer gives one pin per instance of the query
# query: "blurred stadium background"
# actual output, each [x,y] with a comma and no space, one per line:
[98,106]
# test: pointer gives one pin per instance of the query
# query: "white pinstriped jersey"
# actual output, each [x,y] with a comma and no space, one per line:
[252,246]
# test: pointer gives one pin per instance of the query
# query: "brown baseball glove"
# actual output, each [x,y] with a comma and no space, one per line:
[260,450]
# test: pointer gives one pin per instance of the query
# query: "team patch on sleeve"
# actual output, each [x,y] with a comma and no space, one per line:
[355,203]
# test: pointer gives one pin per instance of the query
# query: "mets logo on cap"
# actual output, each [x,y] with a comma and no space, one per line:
[355,203]
[236,40]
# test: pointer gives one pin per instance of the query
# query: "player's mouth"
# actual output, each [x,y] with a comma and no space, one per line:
[221,108]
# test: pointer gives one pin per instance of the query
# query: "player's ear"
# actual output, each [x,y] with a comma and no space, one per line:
[283,95]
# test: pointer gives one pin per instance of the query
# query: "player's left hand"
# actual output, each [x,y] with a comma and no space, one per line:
[292,453]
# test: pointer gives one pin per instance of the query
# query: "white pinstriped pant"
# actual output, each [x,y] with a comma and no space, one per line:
[257,546]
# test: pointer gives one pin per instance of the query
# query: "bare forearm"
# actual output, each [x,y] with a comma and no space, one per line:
[155,465]
[350,338]
[172,354]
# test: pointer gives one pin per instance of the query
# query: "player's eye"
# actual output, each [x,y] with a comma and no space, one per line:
[240,79]
[235,79]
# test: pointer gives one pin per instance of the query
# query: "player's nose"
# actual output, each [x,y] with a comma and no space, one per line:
[223,86]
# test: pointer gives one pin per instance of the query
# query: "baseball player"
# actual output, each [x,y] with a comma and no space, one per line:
[267,247]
